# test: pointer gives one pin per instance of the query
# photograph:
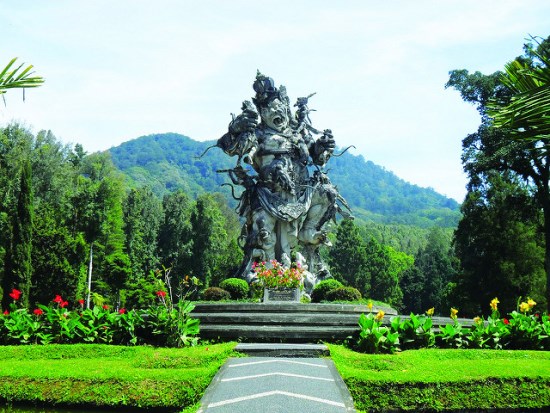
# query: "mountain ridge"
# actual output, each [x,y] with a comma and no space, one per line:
[171,161]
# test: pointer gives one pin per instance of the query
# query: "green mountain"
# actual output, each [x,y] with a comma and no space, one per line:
[170,161]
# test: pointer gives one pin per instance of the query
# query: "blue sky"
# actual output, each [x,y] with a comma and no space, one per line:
[117,70]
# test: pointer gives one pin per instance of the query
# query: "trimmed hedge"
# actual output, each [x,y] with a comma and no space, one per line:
[109,376]
[215,294]
[320,290]
[343,294]
[236,287]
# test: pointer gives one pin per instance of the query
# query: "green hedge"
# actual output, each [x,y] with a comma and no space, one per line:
[109,376]
[445,379]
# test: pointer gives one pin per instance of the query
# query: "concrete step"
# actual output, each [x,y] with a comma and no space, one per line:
[288,322]
[283,350]
[311,334]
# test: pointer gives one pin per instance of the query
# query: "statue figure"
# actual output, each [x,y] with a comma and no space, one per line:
[285,207]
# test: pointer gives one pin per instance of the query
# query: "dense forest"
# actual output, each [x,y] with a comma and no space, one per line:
[151,208]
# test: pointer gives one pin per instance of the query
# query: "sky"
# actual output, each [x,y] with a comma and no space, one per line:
[118,70]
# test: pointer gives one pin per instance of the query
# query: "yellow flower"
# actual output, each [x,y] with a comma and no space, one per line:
[369,305]
[430,311]
[494,303]
[379,316]
[524,307]
[454,312]
[477,320]
[531,303]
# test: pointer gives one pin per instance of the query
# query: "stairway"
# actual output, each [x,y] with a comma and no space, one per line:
[280,322]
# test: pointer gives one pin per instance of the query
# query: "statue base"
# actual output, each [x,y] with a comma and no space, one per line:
[287,295]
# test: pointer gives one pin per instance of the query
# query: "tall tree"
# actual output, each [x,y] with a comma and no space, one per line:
[209,238]
[500,247]
[348,259]
[174,238]
[142,218]
[18,265]
[526,118]
[435,269]
[499,150]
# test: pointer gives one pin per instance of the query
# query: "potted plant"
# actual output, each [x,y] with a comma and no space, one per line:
[280,283]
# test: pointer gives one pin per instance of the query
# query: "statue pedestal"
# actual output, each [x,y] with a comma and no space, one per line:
[281,295]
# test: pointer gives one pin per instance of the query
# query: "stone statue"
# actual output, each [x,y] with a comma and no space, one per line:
[288,197]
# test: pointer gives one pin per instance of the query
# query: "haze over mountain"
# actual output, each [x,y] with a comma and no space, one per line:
[169,161]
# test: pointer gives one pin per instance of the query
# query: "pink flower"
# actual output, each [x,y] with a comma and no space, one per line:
[15,294]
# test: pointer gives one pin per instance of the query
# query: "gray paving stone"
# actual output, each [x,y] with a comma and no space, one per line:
[270,384]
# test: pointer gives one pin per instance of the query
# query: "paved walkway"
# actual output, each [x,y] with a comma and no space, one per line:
[277,385]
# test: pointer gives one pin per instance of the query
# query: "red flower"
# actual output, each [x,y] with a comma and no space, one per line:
[58,299]
[15,294]
[81,302]
[63,304]
[122,311]
[38,311]
[6,312]
[161,294]
[105,307]
[505,321]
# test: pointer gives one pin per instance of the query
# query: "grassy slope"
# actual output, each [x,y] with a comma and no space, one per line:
[446,379]
[97,375]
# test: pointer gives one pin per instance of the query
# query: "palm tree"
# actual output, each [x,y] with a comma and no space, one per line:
[526,117]
[12,77]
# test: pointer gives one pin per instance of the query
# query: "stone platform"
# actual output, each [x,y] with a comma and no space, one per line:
[280,322]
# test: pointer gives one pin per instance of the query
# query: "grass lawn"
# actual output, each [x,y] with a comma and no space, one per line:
[175,379]
[109,376]
[446,379]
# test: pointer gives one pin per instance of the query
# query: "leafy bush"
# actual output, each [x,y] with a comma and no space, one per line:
[343,294]
[320,290]
[374,337]
[415,332]
[237,288]
[215,294]
[521,331]
[162,324]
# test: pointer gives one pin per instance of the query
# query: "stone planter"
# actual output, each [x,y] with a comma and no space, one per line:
[286,295]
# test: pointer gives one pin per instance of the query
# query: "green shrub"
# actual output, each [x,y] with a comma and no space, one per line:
[320,290]
[343,294]
[215,294]
[236,287]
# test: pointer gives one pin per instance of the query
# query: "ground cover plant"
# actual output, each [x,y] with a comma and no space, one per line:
[444,379]
[522,329]
[109,376]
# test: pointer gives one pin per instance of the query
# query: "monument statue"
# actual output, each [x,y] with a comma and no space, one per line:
[288,197]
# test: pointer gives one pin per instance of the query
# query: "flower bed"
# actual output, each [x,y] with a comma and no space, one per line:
[161,324]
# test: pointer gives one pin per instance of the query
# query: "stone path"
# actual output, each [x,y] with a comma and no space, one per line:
[277,385]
